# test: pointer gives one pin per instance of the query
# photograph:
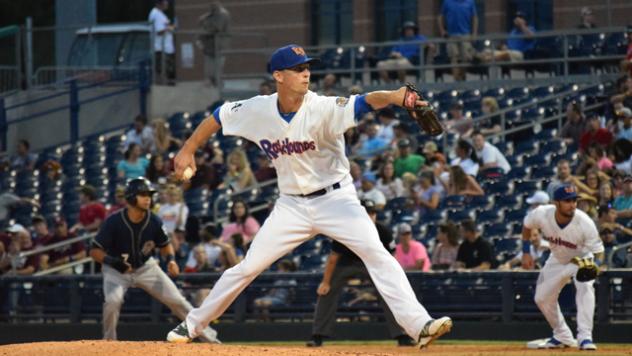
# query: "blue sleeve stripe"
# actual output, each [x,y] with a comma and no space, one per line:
[361,107]
[216,115]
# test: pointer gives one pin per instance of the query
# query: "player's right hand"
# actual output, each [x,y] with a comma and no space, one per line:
[527,261]
[323,288]
[183,160]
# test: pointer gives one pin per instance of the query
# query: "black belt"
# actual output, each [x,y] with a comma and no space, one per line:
[319,192]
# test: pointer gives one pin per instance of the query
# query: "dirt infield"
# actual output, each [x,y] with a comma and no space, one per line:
[119,348]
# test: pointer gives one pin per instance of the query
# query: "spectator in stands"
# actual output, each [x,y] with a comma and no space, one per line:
[173,212]
[429,198]
[329,86]
[164,49]
[564,176]
[404,55]
[539,250]
[265,171]
[609,240]
[594,159]
[141,135]
[280,295]
[119,200]
[41,233]
[388,119]
[162,139]
[237,242]
[606,193]
[387,183]
[411,254]
[588,204]
[466,158]
[459,21]
[434,158]
[240,221]
[133,166]
[368,191]
[239,175]
[520,41]
[181,249]
[200,265]
[410,184]
[459,124]
[266,88]
[20,242]
[207,236]
[24,160]
[447,247]
[587,20]
[228,257]
[538,198]
[623,203]
[489,105]
[400,132]
[68,253]
[5,261]
[608,220]
[462,184]
[215,24]
[626,63]
[157,169]
[8,201]
[488,154]
[407,161]
[575,124]
[624,128]
[475,253]
[91,212]
[594,133]
[371,144]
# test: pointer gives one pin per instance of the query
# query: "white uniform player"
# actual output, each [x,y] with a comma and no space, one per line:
[302,133]
[570,233]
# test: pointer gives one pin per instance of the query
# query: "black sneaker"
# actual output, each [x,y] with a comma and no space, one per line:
[316,341]
[180,334]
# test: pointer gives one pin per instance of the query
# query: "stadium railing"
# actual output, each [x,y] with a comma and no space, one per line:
[492,296]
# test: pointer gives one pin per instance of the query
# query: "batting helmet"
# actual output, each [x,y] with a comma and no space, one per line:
[137,186]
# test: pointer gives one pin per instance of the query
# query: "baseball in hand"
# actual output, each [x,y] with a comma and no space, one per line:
[188,173]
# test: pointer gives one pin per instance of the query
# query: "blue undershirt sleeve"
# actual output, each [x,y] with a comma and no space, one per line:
[216,115]
[361,107]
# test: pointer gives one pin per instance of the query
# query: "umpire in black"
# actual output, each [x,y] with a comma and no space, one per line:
[342,265]
[125,244]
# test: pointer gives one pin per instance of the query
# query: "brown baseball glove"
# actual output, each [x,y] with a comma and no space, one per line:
[587,271]
[425,116]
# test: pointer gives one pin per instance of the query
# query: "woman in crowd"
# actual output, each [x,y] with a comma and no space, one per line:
[240,221]
[462,184]
[133,166]
[157,169]
[387,183]
[445,252]
[162,137]
[173,211]
[429,198]
[239,175]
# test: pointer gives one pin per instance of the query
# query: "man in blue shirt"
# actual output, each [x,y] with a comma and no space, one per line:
[520,40]
[458,20]
[403,55]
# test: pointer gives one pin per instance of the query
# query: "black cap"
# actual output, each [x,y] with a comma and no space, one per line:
[409,24]
[403,143]
[520,14]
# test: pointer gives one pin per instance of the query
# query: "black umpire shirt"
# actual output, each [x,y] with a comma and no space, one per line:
[348,258]
[118,235]
[472,254]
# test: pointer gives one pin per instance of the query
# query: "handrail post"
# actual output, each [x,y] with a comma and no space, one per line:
[74,111]
[3,125]
[29,52]
[422,63]
[143,87]
[352,65]
[565,43]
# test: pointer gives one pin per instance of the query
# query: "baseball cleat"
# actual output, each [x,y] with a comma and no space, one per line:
[587,345]
[551,343]
[434,329]
[180,334]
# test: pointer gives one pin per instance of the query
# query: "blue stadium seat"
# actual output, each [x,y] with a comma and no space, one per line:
[518,172]
[501,229]
[543,172]
[526,187]
[488,216]
[515,215]
[506,245]
[453,201]
[458,215]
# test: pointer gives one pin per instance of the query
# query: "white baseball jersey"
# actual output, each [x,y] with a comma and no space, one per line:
[577,238]
[308,154]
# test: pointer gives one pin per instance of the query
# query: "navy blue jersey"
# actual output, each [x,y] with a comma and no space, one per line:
[118,235]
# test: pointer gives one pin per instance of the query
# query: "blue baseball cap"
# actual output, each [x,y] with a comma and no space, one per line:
[565,192]
[369,176]
[288,57]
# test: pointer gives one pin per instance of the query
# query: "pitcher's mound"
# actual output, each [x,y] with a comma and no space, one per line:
[151,348]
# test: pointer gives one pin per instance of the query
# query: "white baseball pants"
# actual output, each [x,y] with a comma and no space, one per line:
[553,277]
[337,214]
